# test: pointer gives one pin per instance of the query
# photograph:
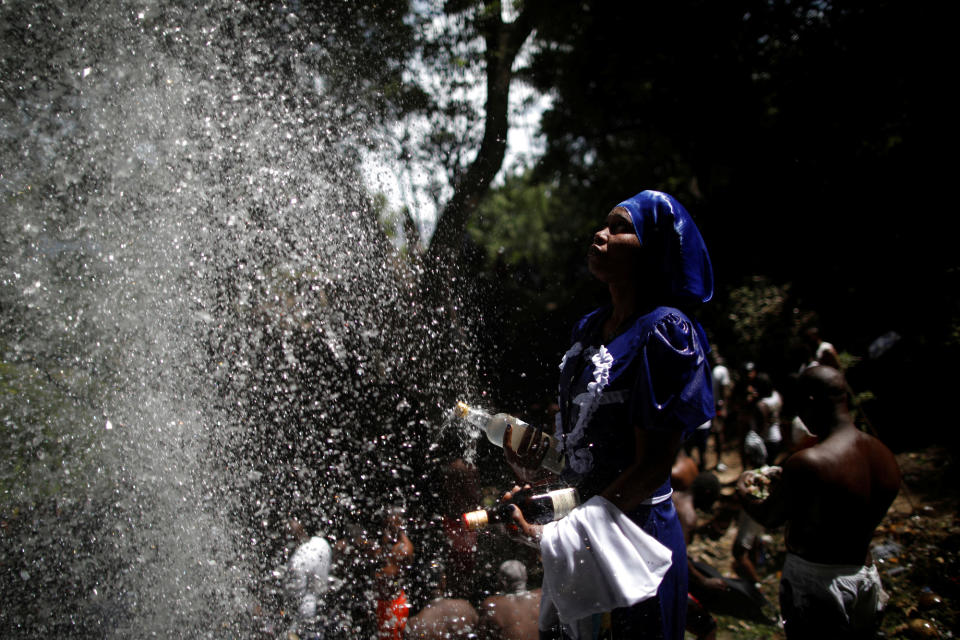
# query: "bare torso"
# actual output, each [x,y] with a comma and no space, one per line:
[682,475]
[510,617]
[840,491]
[443,618]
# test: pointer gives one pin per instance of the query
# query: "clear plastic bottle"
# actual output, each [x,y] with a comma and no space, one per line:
[495,426]
[536,508]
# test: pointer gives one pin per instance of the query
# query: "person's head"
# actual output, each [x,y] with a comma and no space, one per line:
[812,336]
[763,384]
[650,240]
[392,520]
[706,490]
[513,575]
[821,395]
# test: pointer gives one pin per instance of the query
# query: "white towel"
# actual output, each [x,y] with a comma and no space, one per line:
[595,560]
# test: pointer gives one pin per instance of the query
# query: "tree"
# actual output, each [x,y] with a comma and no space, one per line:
[793,131]
[502,42]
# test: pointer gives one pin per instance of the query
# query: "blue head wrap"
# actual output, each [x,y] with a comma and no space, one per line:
[675,248]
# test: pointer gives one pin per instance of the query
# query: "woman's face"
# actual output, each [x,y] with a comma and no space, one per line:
[614,255]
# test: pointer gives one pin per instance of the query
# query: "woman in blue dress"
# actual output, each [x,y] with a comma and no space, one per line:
[633,385]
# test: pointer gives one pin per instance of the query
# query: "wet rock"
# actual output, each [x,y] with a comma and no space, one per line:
[928,600]
[920,628]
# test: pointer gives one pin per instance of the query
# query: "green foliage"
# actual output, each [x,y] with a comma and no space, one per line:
[513,223]
[755,309]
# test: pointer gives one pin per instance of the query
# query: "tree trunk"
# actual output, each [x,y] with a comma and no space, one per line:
[503,42]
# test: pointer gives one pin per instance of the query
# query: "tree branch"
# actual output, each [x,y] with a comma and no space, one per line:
[503,43]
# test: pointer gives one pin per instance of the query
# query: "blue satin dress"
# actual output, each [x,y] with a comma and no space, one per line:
[656,377]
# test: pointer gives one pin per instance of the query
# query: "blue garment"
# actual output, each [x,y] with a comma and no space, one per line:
[659,379]
[675,254]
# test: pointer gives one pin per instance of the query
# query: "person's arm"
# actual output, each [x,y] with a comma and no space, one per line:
[697,579]
[772,511]
[655,452]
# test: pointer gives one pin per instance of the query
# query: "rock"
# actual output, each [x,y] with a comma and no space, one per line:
[928,600]
[920,628]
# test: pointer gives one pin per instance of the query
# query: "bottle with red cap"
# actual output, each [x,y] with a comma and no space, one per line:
[537,508]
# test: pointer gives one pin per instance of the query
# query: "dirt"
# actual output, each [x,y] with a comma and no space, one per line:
[916,548]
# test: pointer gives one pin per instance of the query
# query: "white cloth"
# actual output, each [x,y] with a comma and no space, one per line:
[754,449]
[823,348]
[308,574]
[721,381]
[773,404]
[833,595]
[595,560]
[799,431]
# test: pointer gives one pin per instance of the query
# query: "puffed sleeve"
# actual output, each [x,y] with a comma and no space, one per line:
[672,390]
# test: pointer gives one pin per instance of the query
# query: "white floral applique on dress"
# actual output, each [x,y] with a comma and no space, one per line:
[602,361]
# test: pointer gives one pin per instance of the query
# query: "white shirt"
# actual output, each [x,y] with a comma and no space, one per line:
[308,573]
[721,381]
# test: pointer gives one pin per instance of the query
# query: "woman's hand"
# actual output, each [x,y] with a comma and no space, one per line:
[525,460]
[531,532]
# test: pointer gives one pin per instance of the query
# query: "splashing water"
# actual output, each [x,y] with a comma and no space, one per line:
[203,330]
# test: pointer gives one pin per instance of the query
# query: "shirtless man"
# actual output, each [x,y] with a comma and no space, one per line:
[444,617]
[514,614]
[831,496]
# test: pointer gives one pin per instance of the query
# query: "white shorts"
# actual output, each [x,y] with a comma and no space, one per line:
[822,599]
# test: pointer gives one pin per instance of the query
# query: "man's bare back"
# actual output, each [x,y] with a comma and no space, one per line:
[443,619]
[515,613]
[832,495]
[846,484]
[510,616]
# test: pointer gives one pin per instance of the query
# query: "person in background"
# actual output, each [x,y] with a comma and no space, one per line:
[633,386]
[393,554]
[821,351]
[741,406]
[459,492]
[693,490]
[769,407]
[722,388]
[748,551]
[831,496]
[513,614]
[444,617]
[307,580]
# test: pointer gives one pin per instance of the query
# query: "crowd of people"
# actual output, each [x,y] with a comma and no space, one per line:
[647,417]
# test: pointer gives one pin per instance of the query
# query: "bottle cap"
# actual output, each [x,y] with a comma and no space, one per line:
[475,519]
[461,410]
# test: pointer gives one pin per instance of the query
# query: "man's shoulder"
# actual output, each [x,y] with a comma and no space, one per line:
[807,462]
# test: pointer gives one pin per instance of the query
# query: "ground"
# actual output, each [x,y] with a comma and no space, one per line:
[917,549]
